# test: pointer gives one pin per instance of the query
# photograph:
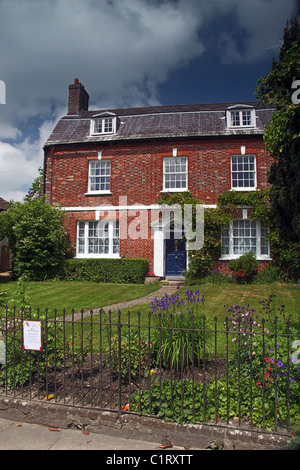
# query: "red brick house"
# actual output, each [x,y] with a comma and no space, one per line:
[108,168]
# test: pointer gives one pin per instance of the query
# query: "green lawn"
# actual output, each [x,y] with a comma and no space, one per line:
[70,295]
[79,295]
[217,297]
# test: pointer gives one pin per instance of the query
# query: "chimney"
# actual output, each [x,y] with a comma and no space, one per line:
[78,98]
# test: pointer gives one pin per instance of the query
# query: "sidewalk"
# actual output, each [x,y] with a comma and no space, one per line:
[25,436]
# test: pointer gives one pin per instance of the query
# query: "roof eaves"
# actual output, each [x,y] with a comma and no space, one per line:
[118,138]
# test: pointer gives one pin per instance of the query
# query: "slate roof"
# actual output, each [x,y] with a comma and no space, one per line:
[3,205]
[158,122]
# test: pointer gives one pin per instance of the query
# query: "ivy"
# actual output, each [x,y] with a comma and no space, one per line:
[258,200]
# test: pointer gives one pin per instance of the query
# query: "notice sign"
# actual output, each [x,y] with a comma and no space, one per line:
[32,335]
[2,352]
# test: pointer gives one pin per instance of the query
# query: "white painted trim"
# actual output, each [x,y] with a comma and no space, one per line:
[240,109]
[159,253]
[98,193]
[138,207]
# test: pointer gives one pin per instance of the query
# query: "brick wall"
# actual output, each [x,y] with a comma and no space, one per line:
[137,169]
[137,173]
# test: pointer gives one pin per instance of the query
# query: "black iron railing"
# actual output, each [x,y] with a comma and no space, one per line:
[181,368]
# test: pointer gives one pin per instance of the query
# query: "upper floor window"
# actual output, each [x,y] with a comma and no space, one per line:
[175,174]
[240,116]
[99,176]
[104,123]
[243,172]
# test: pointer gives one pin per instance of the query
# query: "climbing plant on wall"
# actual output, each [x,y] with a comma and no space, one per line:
[201,261]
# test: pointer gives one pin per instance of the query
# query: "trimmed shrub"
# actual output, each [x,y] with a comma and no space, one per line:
[123,270]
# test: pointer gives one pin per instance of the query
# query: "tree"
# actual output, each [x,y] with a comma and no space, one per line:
[36,237]
[285,191]
[36,189]
[282,134]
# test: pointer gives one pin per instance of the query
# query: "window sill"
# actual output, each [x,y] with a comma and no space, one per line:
[238,128]
[244,189]
[231,257]
[99,193]
[95,256]
[180,190]
[102,134]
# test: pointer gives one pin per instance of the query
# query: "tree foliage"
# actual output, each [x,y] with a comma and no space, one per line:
[36,189]
[36,237]
[276,89]
[282,136]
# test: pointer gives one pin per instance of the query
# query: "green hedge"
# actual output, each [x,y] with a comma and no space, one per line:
[123,270]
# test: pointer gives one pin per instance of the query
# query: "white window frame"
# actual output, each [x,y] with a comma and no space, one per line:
[261,231]
[241,112]
[103,124]
[176,173]
[83,237]
[103,166]
[243,171]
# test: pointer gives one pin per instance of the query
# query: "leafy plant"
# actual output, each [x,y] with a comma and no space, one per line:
[244,269]
[262,364]
[261,384]
[36,237]
[178,338]
[129,354]
[269,274]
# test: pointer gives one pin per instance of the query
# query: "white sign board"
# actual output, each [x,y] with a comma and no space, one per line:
[32,335]
[2,352]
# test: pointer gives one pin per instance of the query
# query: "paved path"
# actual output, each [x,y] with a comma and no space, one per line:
[25,436]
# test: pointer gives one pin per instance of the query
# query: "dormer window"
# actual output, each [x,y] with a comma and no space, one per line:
[240,116]
[104,123]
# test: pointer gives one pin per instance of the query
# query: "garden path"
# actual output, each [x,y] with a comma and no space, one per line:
[167,289]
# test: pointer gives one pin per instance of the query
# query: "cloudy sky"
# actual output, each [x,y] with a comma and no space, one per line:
[126,53]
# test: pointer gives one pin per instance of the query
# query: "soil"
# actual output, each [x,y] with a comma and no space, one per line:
[89,384]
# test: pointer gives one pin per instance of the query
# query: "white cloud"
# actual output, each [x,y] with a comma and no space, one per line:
[19,163]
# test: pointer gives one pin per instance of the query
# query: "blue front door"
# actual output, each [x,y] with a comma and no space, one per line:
[175,256]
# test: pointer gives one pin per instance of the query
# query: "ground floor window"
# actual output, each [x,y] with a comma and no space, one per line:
[243,236]
[98,239]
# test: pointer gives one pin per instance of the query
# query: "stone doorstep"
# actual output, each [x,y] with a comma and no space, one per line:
[132,426]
